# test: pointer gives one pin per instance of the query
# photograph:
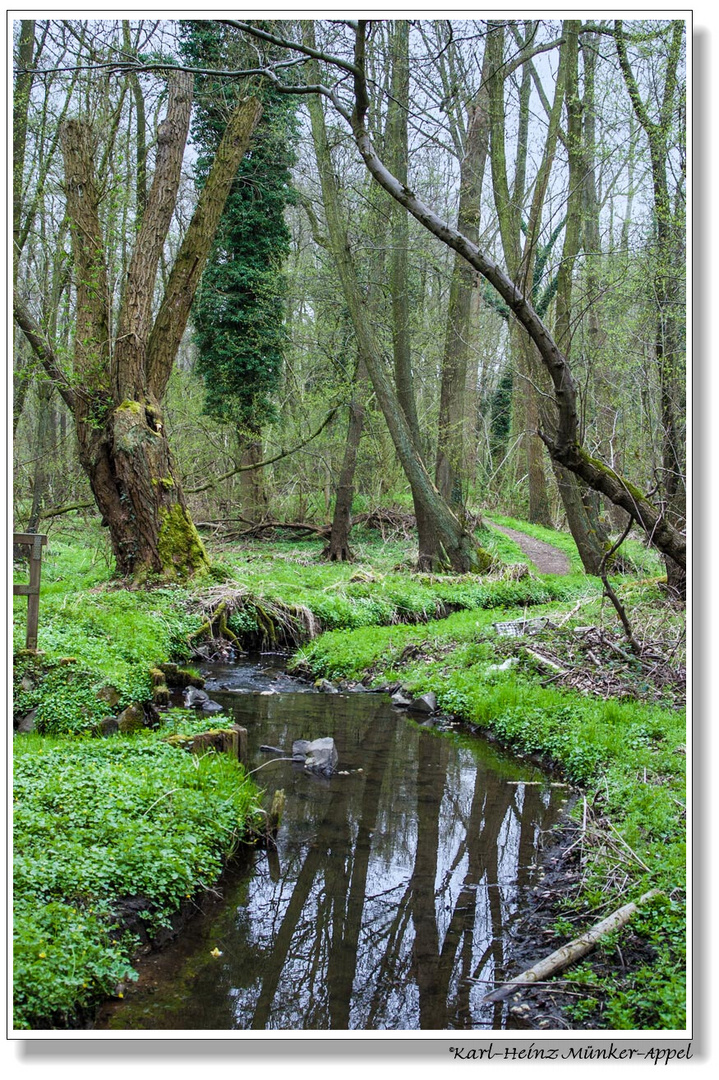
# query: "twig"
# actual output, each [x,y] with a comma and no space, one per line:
[629,849]
[610,593]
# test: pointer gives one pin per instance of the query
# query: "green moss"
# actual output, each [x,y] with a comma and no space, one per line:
[181,550]
[633,490]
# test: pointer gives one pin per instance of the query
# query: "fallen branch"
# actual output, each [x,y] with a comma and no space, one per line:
[544,662]
[55,511]
[571,952]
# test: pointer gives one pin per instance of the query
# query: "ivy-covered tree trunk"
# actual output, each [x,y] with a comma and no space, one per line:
[252,488]
[119,380]
[238,314]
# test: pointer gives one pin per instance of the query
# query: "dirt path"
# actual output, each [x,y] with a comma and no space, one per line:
[547,559]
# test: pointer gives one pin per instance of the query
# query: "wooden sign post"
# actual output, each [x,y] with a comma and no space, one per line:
[35,541]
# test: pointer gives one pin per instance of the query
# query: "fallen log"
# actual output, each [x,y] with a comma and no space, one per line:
[571,952]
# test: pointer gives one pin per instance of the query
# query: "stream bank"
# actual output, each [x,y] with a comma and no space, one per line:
[629,755]
[397,883]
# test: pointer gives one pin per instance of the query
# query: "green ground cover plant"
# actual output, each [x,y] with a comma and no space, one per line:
[375,622]
[98,822]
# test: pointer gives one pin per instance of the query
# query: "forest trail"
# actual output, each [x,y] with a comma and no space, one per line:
[547,559]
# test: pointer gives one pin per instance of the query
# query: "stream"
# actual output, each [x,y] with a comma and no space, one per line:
[395,890]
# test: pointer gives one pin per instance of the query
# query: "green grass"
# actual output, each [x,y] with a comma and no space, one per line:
[96,821]
[80,800]
[627,756]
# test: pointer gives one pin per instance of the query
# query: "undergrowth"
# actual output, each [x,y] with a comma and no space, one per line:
[98,822]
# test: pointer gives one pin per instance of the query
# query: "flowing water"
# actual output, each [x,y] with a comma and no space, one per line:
[395,889]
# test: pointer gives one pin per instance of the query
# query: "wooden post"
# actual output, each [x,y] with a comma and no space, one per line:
[242,754]
[35,541]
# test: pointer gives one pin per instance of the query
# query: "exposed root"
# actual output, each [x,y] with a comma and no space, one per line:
[269,622]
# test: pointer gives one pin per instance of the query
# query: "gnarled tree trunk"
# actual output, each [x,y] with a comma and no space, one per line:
[116,391]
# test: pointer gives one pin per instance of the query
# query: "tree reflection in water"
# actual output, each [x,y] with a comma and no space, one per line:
[392,894]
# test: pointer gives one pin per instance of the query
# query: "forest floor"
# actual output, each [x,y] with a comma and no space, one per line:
[615,731]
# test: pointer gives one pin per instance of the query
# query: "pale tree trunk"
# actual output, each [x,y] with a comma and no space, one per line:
[446,542]
[668,348]
[117,392]
[582,517]
[451,463]
[397,150]
[607,412]
[520,258]
[338,548]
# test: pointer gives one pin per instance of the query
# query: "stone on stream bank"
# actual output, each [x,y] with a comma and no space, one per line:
[426,704]
[198,699]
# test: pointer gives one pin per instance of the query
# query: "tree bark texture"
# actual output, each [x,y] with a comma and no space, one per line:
[117,386]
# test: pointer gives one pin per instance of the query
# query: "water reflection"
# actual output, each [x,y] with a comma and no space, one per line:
[389,902]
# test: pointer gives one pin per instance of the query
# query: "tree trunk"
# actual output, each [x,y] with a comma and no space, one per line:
[397,149]
[252,488]
[582,514]
[446,543]
[669,258]
[42,452]
[138,493]
[21,104]
[116,393]
[451,436]
[520,261]
[338,548]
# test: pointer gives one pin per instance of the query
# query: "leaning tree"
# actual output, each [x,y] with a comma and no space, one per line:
[351,99]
